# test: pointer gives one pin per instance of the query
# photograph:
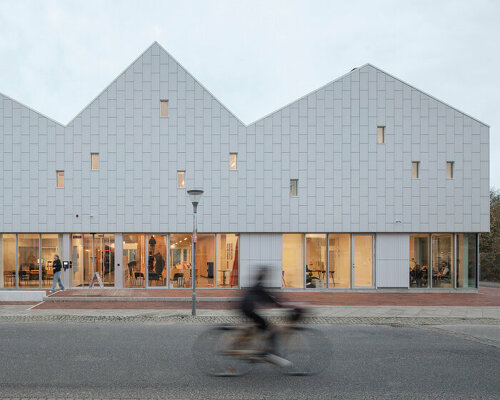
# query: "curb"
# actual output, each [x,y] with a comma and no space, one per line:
[207,319]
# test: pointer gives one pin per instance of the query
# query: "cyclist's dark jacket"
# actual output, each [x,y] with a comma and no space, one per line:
[256,295]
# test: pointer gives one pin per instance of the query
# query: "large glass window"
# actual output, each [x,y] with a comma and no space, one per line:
[293,261]
[133,260]
[77,260]
[227,260]
[442,260]
[50,247]
[28,258]
[180,260]
[157,260]
[467,260]
[7,261]
[339,249]
[419,260]
[315,260]
[205,261]
[363,260]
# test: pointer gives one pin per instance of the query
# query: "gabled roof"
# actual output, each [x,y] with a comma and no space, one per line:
[204,88]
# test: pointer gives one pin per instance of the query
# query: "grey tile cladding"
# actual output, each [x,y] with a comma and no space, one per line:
[327,140]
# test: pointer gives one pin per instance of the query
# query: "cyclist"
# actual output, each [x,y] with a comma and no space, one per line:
[255,296]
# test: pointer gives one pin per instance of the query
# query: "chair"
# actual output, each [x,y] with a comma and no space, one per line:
[139,277]
[332,273]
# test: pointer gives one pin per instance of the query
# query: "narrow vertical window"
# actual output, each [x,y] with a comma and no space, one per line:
[415,166]
[94,161]
[181,179]
[232,160]
[60,179]
[163,108]
[380,134]
[293,187]
[449,169]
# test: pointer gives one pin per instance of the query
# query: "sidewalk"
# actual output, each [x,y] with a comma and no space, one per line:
[220,306]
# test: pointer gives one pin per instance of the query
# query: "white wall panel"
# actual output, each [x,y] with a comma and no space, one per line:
[326,139]
[260,249]
[392,259]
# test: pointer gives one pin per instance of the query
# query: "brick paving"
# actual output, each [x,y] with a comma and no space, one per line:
[485,297]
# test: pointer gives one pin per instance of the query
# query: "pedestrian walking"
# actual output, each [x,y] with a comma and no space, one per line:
[56,266]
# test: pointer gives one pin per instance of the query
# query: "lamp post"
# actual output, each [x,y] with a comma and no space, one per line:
[194,196]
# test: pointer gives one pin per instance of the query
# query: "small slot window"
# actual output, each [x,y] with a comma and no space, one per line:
[294,183]
[163,108]
[94,161]
[449,169]
[181,179]
[233,158]
[380,134]
[415,169]
[60,179]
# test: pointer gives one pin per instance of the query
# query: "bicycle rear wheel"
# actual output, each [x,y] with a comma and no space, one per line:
[307,349]
[212,351]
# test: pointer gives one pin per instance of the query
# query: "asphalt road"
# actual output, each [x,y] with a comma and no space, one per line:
[54,360]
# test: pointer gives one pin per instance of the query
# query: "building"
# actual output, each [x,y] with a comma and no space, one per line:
[366,182]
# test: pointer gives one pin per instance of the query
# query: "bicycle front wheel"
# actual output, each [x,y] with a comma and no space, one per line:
[214,352]
[307,349]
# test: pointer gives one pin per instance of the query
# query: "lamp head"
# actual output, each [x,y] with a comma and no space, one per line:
[195,196]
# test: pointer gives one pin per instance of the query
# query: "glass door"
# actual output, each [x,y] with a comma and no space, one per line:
[362,261]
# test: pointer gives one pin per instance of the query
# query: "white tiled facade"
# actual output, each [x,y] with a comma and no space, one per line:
[327,140]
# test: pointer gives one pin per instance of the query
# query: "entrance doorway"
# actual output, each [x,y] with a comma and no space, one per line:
[362,261]
[93,253]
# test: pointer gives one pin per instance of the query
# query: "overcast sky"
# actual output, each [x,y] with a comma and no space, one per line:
[254,56]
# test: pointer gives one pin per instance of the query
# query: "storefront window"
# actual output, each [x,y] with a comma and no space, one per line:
[180,260]
[363,260]
[50,247]
[7,261]
[205,261]
[442,260]
[467,260]
[77,260]
[293,261]
[339,249]
[315,260]
[227,260]
[419,260]
[133,260]
[157,260]
[28,258]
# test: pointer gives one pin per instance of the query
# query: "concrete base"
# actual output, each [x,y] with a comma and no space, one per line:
[22,295]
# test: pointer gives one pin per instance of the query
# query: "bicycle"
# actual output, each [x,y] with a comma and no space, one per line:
[232,350]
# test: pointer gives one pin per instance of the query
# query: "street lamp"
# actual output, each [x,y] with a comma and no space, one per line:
[194,196]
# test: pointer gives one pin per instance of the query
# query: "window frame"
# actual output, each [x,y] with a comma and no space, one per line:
[296,181]
[57,178]
[92,161]
[235,161]
[417,170]
[184,178]
[164,101]
[381,134]
[450,167]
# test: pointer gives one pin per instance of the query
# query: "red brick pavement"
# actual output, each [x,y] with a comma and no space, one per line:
[484,297]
